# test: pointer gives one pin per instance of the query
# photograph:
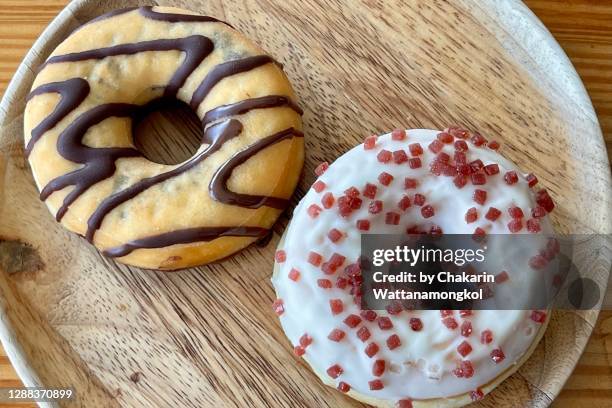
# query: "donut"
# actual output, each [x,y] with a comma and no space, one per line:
[79,142]
[406,182]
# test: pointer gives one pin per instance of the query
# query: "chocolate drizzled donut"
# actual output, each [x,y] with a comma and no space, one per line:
[76,114]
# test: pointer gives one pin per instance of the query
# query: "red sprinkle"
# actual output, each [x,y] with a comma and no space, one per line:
[314,258]
[436,146]
[335,371]
[393,342]
[461,146]
[464,348]
[460,157]
[476,395]
[532,180]
[416,324]
[538,316]
[486,337]
[280,256]
[278,306]
[501,277]
[324,283]
[363,225]
[464,369]
[336,335]
[363,333]
[314,210]
[471,215]
[392,218]
[335,235]
[476,165]
[343,387]
[493,214]
[497,355]
[511,177]
[371,349]
[370,190]
[491,169]
[352,321]
[404,203]
[398,134]
[336,306]
[384,156]
[410,183]
[415,149]
[352,192]
[450,322]
[460,181]
[369,315]
[294,274]
[378,368]
[493,145]
[515,212]
[427,211]
[375,207]
[465,312]
[466,328]
[385,178]
[478,179]
[305,340]
[442,157]
[538,212]
[480,196]
[321,168]
[533,225]
[445,137]
[445,313]
[299,351]
[419,199]
[544,200]
[376,385]
[515,225]
[464,169]
[385,323]
[328,200]
[538,262]
[337,260]
[478,139]
[399,157]
[479,234]
[318,186]
[404,404]
[370,142]
[414,163]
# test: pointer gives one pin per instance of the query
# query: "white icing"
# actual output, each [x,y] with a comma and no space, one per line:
[422,366]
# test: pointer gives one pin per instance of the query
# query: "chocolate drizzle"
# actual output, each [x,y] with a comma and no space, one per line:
[99,163]
[196,48]
[242,107]
[224,70]
[72,93]
[218,184]
[215,136]
[185,236]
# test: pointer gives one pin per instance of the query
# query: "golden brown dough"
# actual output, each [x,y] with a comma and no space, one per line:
[80,147]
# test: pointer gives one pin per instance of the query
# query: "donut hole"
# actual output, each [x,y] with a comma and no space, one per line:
[167,132]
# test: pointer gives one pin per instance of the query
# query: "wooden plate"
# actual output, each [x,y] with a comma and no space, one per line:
[207,336]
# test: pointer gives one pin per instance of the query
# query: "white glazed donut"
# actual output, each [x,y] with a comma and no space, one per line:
[417,361]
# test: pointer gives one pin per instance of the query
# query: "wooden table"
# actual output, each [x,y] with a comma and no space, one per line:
[582,27]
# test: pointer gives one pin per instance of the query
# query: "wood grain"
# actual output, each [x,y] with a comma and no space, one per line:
[578,25]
